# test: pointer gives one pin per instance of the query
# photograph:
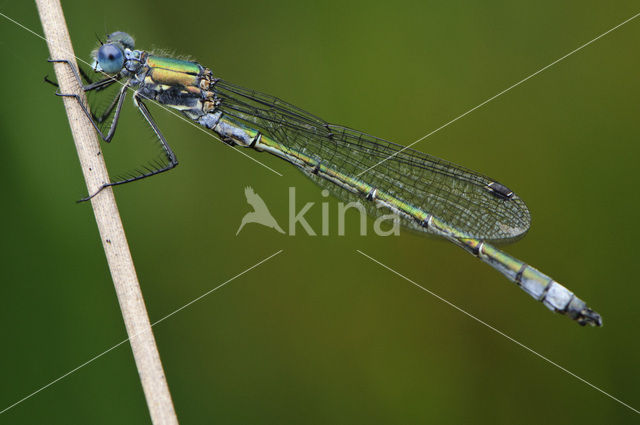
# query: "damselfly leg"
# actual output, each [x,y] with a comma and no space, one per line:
[115,108]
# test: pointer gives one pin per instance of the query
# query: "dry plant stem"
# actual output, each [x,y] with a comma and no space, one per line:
[112,234]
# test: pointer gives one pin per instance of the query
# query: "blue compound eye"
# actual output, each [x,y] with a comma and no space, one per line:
[110,58]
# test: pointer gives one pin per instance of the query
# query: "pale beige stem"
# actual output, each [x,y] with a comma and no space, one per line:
[112,234]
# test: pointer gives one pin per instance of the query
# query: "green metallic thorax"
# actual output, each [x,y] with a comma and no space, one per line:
[180,84]
[170,71]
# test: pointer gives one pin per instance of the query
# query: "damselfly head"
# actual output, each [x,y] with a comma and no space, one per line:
[110,56]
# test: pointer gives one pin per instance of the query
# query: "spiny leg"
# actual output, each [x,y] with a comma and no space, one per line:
[118,101]
[171,157]
[107,112]
[98,85]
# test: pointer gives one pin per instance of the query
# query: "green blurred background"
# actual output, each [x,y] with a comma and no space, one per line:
[320,334]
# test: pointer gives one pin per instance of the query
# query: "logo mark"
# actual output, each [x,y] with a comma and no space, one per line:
[260,213]
[384,224]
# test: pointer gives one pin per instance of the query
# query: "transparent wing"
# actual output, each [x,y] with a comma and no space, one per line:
[476,205]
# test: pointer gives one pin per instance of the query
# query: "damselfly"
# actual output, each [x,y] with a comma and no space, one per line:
[428,194]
